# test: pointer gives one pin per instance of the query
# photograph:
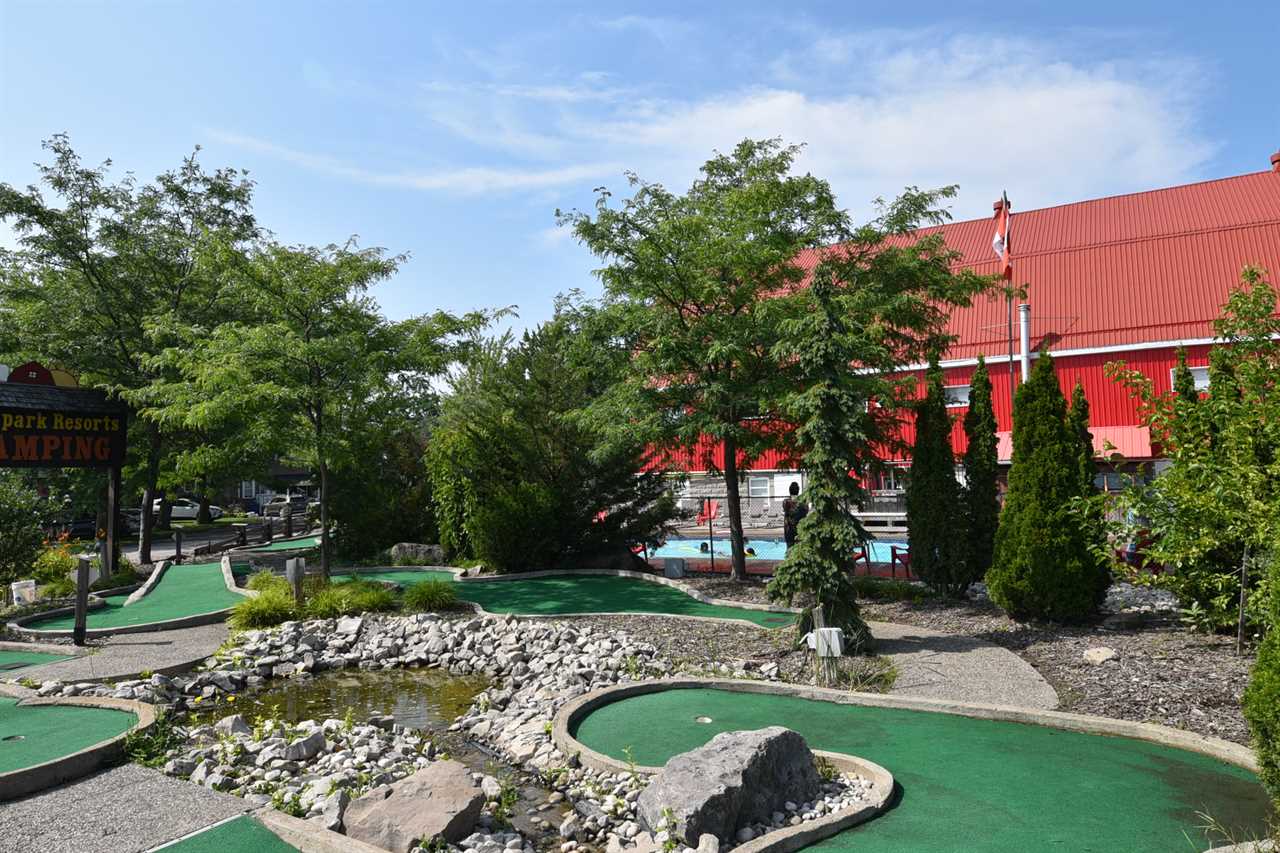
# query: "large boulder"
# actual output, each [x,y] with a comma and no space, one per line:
[439,800]
[735,779]
[416,554]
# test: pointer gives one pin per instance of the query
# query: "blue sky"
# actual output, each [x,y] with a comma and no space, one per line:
[453,131]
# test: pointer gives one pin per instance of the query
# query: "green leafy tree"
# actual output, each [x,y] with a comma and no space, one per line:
[697,275]
[1078,424]
[933,496]
[1262,697]
[1217,504]
[314,361]
[522,479]
[878,301]
[21,539]
[1184,383]
[102,274]
[1046,563]
[981,470]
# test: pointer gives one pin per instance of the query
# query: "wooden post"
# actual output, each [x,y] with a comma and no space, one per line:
[177,544]
[111,560]
[82,600]
[711,537]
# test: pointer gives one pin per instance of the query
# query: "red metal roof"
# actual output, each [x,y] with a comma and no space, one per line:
[1149,266]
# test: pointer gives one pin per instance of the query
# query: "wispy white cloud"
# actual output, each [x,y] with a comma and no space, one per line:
[665,30]
[463,180]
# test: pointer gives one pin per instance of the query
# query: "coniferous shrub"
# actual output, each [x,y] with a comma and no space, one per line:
[981,469]
[1262,697]
[934,514]
[1044,564]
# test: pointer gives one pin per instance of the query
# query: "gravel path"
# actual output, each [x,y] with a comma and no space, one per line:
[125,809]
[125,655]
[1173,677]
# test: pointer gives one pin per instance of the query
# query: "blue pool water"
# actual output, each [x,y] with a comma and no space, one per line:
[766,549]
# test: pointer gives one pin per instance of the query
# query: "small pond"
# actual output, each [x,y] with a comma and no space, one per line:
[420,698]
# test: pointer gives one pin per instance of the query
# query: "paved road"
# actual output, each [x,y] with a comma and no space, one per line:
[164,550]
[125,655]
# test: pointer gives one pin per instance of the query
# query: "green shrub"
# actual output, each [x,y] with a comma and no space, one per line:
[269,607]
[150,747]
[430,595]
[54,563]
[62,587]
[265,580]
[21,539]
[877,589]
[127,576]
[1262,710]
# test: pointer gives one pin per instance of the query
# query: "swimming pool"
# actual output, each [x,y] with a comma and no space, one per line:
[766,549]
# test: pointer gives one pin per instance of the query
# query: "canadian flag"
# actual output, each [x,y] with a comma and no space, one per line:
[1000,243]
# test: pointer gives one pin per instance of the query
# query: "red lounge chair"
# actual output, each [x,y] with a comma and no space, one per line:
[860,556]
[710,512]
[899,556]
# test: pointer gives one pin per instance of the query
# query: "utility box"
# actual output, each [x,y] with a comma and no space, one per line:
[673,567]
[24,592]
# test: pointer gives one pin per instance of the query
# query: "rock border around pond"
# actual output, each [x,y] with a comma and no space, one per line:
[66,768]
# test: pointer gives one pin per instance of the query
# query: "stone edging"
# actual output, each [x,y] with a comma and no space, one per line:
[46,648]
[28,780]
[784,840]
[152,580]
[229,579]
[620,573]
[1222,750]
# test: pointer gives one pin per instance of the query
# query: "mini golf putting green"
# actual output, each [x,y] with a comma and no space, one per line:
[569,593]
[14,660]
[241,834]
[965,784]
[185,590]
[304,544]
[31,735]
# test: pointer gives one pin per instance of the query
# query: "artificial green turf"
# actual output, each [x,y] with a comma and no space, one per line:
[549,596]
[966,784]
[26,659]
[31,735]
[185,590]
[239,835]
[304,544]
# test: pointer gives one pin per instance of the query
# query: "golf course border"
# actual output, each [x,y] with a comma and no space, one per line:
[67,768]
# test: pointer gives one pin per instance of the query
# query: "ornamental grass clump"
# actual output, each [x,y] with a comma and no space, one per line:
[430,595]
[267,609]
[349,598]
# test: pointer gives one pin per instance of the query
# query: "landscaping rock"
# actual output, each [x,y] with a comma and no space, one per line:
[416,554]
[1099,655]
[737,778]
[439,800]
[305,748]
[232,725]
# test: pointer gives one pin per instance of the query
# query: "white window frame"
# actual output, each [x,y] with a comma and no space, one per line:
[954,390]
[1200,373]
[753,482]
[895,474]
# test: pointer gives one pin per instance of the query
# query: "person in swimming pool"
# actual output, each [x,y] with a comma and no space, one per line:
[792,512]
[751,552]
[704,547]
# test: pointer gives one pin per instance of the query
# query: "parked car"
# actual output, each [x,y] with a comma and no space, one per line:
[185,509]
[296,503]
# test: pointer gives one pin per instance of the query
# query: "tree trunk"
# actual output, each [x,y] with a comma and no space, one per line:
[324,518]
[738,570]
[203,516]
[148,500]
[165,521]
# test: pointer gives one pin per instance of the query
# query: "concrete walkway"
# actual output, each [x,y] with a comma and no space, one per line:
[125,655]
[935,665]
[124,809]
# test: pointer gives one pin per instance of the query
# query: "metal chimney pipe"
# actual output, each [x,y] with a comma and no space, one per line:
[1024,338]
[1275,162]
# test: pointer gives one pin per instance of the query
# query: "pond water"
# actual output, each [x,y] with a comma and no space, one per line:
[420,698]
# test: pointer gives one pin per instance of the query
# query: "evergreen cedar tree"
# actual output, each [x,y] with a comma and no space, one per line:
[1045,564]
[933,496]
[981,469]
[1262,696]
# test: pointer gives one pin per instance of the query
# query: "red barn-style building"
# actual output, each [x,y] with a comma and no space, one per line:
[1126,278]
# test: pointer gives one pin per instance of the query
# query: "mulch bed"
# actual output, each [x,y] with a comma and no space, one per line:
[1171,676]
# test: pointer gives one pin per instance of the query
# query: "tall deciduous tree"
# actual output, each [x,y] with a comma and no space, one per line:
[981,471]
[933,496]
[879,301]
[522,480]
[21,539]
[700,273]
[1046,563]
[315,358]
[102,276]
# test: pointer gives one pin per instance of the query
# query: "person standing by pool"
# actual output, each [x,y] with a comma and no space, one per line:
[793,509]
